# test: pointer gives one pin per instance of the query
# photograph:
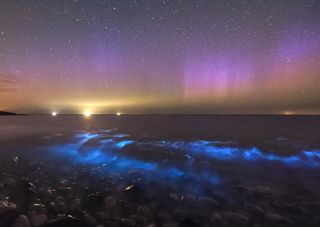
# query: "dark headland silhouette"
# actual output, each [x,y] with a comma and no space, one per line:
[6,113]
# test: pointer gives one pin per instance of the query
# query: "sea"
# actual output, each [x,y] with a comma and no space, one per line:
[174,170]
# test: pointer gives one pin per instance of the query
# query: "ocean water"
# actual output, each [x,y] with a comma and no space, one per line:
[170,162]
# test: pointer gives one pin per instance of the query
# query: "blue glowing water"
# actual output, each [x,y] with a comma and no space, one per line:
[226,151]
[108,153]
[202,151]
[109,149]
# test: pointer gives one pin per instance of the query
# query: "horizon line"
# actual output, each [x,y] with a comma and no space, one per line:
[203,114]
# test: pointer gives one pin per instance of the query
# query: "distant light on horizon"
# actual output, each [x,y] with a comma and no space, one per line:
[118,113]
[54,114]
[289,113]
[87,113]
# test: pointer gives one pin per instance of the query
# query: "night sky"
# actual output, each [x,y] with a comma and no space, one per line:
[160,56]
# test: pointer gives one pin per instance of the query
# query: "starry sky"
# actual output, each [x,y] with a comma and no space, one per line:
[160,56]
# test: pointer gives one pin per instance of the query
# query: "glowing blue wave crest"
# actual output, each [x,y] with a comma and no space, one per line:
[220,151]
[106,152]
[104,147]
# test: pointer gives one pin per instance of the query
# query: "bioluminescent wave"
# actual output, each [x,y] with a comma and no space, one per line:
[221,151]
[106,153]
[107,143]
[110,150]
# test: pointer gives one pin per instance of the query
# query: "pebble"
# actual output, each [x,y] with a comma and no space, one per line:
[179,213]
[216,217]
[89,219]
[21,221]
[207,201]
[66,221]
[144,211]
[127,222]
[7,178]
[235,218]
[174,197]
[30,186]
[101,216]
[170,225]
[140,220]
[59,199]
[64,182]
[93,201]
[163,217]
[110,202]
[272,217]
[39,208]
[38,220]
[187,222]
[75,205]
[61,208]
[188,199]
[253,208]
[6,206]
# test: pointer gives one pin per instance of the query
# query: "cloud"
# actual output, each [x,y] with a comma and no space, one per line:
[8,83]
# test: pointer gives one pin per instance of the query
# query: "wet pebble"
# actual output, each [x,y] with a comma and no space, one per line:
[89,220]
[46,192]
[38,220]
[21,221]
[163,217]
[256,212]
[174,197]
[29,186]
[64,182]
[93,201]
[127,222]
[52,206]
[8,179]
[170,225]
[59,199]
[272,217]
[65,221]
[61,208]
[188,199]
[144,211]
[208,202]
[140,220]
[187,222]
[38,208]
[6,206]
[235,218]
[101,217]
[110,202]
[216,218]
[75,206]
[66,191]
[179,213]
